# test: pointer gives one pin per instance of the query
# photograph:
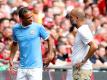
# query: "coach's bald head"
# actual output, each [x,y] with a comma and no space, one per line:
[78,12]
[77,17]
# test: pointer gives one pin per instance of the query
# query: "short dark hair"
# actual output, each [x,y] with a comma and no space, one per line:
[22,11]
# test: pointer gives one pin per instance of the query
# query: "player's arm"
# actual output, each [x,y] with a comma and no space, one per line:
[50,44]
[13,50]
[50,54]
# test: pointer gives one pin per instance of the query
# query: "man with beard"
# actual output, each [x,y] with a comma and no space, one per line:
[83,48]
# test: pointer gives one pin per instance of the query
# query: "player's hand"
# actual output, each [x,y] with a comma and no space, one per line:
[49,57]
[11,67]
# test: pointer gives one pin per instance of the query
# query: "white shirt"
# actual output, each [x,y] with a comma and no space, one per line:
[81,47]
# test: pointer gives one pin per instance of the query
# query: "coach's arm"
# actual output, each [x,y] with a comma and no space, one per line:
[91,51]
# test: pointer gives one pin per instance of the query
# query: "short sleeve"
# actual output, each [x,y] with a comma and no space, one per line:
[44,34]
[13,35]
[85,34]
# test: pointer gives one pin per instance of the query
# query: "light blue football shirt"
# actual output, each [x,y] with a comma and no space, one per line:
[30,44]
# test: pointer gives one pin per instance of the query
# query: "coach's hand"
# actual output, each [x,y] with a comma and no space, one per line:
[80,64]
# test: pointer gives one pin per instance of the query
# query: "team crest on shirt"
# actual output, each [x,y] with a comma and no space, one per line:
[32,32]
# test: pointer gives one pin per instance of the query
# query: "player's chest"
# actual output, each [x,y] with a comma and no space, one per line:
[26,34]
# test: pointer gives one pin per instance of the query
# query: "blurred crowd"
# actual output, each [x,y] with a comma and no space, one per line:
[54,15]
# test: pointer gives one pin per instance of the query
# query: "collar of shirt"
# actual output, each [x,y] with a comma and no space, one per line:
[25,26]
